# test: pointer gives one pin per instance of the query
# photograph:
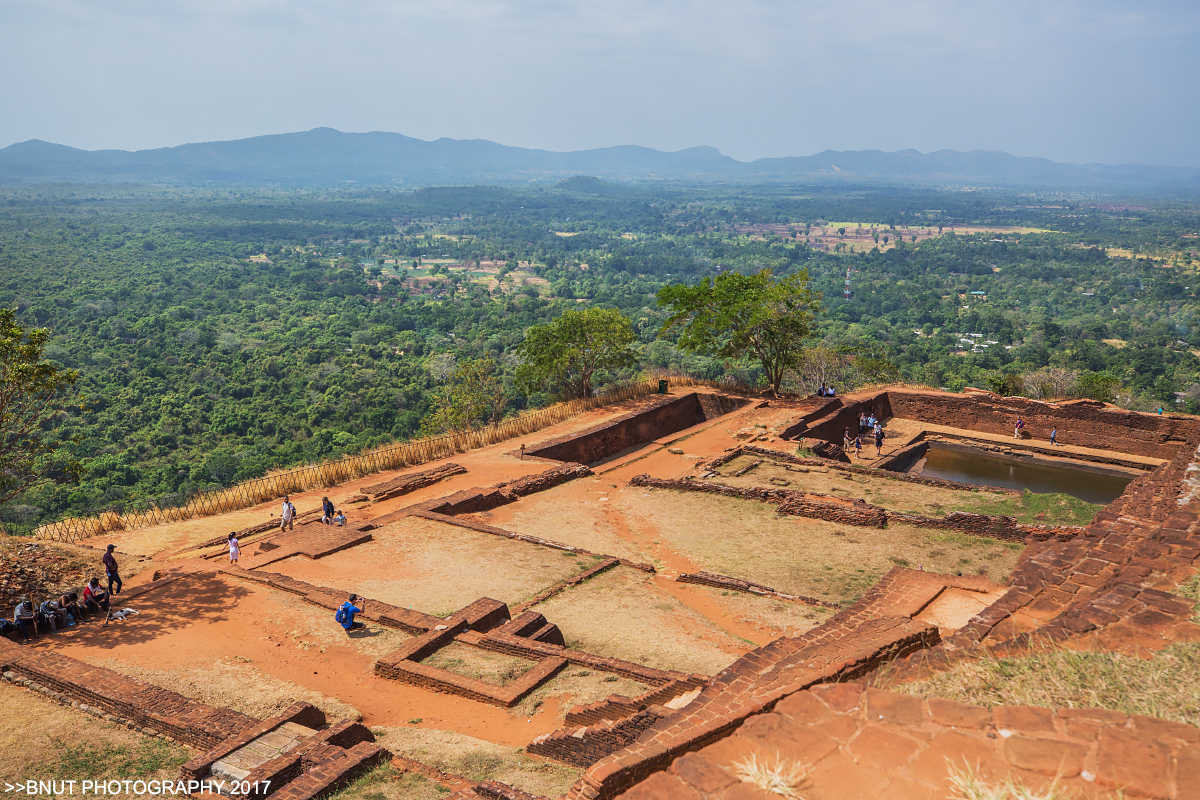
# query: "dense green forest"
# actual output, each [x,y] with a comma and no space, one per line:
[220,334]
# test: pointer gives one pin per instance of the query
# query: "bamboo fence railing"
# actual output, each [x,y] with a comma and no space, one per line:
[331,473]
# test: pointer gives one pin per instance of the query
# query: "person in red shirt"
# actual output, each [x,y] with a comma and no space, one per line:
[95,598]
[110,569]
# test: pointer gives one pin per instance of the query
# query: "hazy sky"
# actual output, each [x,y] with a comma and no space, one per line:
[1073,81]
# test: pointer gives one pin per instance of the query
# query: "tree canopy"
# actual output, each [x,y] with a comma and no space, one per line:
[33,393]
[736,316]
[565,355]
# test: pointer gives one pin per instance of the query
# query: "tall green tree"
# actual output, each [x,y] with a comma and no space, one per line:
[744,316]
[565,355]
[33,394]
[474,394]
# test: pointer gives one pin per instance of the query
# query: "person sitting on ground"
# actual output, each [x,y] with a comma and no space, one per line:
[25,618]
[831,392]
[69,603]
[345,614]
[339,518]
[821,391]
[96,599]
[48,613]
[327,511]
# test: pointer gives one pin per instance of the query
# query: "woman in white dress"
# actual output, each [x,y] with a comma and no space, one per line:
[234,549]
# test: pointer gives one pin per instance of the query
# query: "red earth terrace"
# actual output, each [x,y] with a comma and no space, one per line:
[691,596]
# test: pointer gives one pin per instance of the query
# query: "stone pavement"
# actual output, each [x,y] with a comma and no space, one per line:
[867,743]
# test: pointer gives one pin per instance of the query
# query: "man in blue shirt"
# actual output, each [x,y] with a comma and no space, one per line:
[346,614]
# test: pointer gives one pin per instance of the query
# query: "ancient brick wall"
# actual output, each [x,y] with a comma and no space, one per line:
[616,706]
[666,416]
[1082,423]
[169,713]
[582,747]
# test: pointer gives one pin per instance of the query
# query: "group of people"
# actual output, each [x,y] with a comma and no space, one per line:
[68,609]
[330,515]
[868,425]
[826,391]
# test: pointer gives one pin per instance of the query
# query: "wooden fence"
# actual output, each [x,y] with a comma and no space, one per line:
[331,473]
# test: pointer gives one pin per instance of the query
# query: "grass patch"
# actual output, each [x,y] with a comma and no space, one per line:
[1162,686]
[80,759]
[1046,509]
[494,668]
[384,783]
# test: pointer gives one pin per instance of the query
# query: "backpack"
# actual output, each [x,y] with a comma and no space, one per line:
[340,616]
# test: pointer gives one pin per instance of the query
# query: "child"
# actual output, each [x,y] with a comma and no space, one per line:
[234,549]
[858,447]
[339,518]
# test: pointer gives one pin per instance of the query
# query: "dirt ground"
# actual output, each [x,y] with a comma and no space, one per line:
[838,563]
[437,568]
[41,739]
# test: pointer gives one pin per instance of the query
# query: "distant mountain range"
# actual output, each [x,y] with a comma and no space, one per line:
[326,157]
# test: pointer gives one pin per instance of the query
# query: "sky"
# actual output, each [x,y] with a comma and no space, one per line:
[1070,80]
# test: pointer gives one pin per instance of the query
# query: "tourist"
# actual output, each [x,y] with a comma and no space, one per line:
[878,440]
[872,421]
[95,598]
[235,549]
[69,603]
[110,569]
[339,518]
[821,391]
[327,511]
[846,441]
[48,613]
[858,447]
[1018,428]
[25,618]
[345,614]
[862,421]
[289,514]
[1054,437]
[831,392]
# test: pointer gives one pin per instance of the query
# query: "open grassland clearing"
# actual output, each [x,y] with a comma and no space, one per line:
[796,555]
[623,614]
[438,568]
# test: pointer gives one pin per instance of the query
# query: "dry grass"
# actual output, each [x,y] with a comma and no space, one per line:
[494,668]
[622,614]
[386,783]
[1162,686]
[838,563]
[778,778]
[41,739]
[968,785]
[476,760]
[576,687]
[437,568]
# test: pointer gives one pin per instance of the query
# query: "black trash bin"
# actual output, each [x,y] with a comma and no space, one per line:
[662,387]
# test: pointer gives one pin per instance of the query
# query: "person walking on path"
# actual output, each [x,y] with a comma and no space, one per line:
[858,447]
[110,569]
[286,521]
[345,614]
[235,549]
[1054,437]
[878,441]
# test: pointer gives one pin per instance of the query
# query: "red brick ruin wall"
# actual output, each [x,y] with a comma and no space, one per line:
[669,415]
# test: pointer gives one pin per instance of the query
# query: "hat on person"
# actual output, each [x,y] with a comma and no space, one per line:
[112,547]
